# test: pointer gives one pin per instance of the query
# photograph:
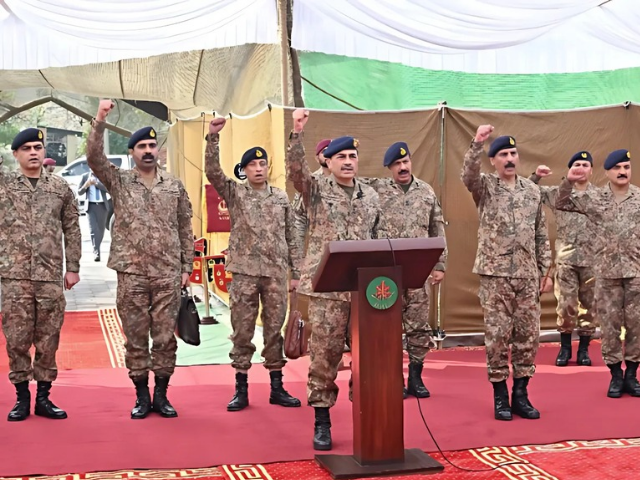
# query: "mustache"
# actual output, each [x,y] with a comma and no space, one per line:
[346,167]
[509,165]
[622,175]
[148,155]
[402,172]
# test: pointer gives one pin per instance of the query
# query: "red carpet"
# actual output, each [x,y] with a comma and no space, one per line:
[99,436]
[82,344]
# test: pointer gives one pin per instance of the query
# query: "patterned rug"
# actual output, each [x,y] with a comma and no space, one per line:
[599,460]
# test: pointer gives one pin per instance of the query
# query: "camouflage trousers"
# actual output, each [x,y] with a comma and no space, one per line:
[415,320]
[575,290]
[511,318]
[246,291]
[617,306]
[149,306]
[32,314]
[329,320]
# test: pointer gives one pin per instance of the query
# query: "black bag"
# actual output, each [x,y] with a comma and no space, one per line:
[188,324]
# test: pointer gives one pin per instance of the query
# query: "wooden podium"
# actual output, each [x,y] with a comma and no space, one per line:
[376,272]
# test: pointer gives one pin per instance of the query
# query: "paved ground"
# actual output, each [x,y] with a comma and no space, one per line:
[97,287]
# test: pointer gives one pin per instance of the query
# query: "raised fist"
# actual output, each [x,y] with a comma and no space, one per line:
[300,117]
[104,108]
[577,174]
[543,171]
[483,132]
[216,125]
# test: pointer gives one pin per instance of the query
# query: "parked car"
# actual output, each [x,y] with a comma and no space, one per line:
[74,171]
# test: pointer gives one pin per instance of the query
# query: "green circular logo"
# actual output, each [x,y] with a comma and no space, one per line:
[382,293]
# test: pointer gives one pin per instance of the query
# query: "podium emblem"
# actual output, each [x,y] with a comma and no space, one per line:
[382,293]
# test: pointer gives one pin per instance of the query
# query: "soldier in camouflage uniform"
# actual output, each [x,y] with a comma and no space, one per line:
[513,261]
[615,211]
[410,209]
[152,252]
[261,250]
[339,208]
[37,210]
[574,276]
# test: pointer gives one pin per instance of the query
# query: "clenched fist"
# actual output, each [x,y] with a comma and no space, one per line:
[483,132]
[104,108]
[300,117]
[577,174]
[543,171]
[216,125]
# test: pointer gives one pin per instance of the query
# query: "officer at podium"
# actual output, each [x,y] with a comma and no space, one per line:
[513,261]
[339,207]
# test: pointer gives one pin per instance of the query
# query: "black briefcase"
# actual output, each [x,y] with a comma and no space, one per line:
[188,324]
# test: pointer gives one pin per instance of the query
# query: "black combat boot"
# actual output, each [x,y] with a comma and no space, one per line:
[415,386]
[405,394]
[22,408]
[143,399]
[501,407]
[631,385]
[161,403]
[241,398]
[616,386]
[564,355]
[279,396]
[322,429]
[583,351]
[44,406]
[520,404]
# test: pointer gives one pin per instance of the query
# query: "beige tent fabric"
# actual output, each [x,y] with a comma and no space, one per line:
[237,79]
[543,137]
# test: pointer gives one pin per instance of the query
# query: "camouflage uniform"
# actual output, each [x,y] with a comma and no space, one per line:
[261,250]
[151,246]
[413,214]
[617,266]
[513,255]
[332,216]
[33,221]
[574,279]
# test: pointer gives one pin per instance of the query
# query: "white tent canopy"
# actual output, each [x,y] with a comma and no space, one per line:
[193,55]
[479,36]
[201,55]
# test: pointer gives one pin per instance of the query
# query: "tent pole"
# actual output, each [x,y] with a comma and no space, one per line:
[284,51]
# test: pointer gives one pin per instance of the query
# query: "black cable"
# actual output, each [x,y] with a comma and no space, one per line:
[424,421]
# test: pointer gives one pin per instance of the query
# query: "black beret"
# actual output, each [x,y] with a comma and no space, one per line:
[395,152]
[501,143]
[253,154]
[582,156]
[339,144]
[146,133]
[616,157]
[26,136]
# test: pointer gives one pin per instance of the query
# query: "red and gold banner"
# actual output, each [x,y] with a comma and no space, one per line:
[217,211]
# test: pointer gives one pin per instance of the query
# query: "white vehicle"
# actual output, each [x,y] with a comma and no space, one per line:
[74,171]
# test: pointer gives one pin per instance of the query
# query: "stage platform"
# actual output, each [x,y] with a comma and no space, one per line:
[100,436]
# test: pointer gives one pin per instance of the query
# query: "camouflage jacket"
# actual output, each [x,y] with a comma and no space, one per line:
[575,244]
[414,214]
[512,238]
[152,233]
[33,222]
[261,242]
[300,220]
[332,214]
[617,227]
